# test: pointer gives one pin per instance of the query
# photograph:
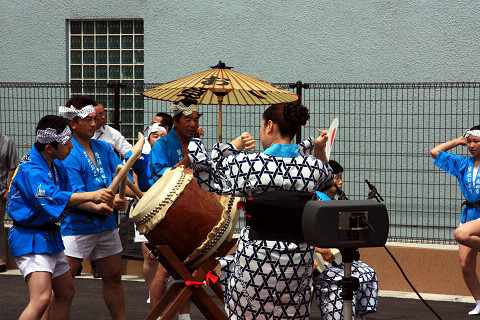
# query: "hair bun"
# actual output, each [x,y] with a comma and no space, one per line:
[296,113]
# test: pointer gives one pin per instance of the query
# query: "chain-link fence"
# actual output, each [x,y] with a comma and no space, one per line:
[385,134]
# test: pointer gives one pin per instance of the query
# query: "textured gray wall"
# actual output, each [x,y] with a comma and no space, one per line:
[278,41]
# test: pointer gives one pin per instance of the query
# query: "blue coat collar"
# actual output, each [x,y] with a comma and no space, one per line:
[283,150]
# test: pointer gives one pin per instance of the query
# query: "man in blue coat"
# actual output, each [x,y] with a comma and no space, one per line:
[39,198]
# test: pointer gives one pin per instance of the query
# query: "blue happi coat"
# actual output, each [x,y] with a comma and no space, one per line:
[37,196]
[85,177]
[141,167]
[166,153]
[462,168]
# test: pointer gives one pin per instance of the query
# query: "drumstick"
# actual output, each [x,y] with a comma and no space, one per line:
[129,184]
[123,184]
[136,152]
[134,188]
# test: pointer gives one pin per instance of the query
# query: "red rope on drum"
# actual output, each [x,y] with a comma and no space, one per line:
[210,278]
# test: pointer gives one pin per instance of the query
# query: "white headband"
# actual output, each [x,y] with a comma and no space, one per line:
[155,128]
[72,112]
[49,135]
[180,107]
[475,133]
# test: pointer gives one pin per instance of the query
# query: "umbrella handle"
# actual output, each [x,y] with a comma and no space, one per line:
[220,119]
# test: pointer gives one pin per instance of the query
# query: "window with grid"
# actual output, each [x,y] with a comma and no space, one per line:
[107,51]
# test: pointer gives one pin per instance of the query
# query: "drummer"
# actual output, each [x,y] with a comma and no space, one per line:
[91,166]
[40,196]
[168,152]
[271,275]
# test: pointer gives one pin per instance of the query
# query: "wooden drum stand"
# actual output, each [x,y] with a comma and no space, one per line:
[186,284]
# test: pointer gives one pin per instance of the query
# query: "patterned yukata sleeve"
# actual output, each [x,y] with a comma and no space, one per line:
[306,147]
[211,172]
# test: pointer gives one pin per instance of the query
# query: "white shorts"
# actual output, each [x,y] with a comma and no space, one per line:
[55,263]
[139,237]
[95,245]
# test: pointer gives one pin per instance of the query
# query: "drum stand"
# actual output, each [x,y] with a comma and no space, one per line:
[179,292]
[348,283]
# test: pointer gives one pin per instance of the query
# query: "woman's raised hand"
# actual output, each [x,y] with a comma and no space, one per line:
[321,140]
[247,141]
[244,141]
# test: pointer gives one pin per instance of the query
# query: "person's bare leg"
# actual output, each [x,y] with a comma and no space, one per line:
[185,310]
[113,294]
[149,266]
[64,290]
[40,288]
[74,265]
[468,262]
[468,234]
[159,288]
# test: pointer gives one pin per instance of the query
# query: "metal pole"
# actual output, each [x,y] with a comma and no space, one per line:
[116,102]
[299,85]
[347,303]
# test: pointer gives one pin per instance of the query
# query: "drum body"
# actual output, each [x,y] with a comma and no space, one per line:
[175,211]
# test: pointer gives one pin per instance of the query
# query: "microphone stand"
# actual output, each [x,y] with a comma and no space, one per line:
[374,194]
[348,283]
[341,194]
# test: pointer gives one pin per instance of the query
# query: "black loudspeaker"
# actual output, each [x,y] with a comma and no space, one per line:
[343,224]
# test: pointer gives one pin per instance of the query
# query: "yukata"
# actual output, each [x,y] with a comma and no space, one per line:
[37,201]
[328,289]
[85,177]
[166,153]
[264,279]
[462,168]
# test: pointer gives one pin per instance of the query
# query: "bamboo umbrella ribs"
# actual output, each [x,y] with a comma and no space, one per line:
[221,85]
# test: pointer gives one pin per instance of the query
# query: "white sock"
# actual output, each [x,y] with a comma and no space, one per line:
[184,316]
[476,310]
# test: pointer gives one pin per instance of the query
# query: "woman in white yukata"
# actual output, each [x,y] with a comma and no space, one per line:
[465,169]
[271,271]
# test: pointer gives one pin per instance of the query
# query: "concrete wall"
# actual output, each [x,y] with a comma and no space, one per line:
[278,41]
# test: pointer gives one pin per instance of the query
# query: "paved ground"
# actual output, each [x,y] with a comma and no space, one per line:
[88,303]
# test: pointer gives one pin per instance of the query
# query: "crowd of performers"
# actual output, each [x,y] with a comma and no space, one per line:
[61,209]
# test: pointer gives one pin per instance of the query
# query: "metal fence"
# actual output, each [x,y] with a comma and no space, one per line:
[385,134]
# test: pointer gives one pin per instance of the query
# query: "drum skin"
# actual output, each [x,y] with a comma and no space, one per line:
[188,221]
